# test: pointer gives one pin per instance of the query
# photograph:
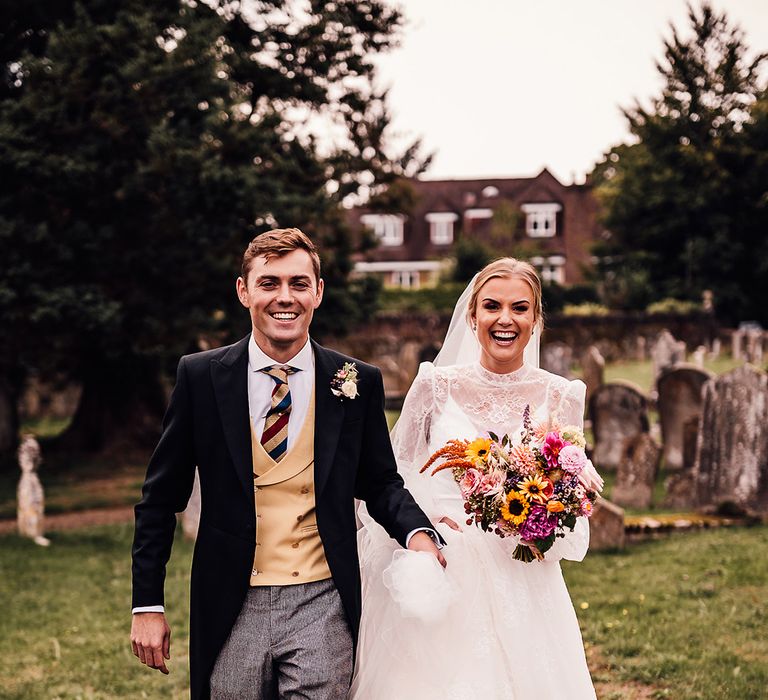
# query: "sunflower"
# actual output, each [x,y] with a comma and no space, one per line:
[515,509]
[477,450]
[536,488]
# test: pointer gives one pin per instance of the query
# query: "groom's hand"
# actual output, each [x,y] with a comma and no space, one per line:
[151,639]
[422,542]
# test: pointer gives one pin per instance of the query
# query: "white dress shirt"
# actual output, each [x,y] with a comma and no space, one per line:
[260,387]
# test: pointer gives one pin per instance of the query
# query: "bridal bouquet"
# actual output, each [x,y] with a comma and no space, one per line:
[534,487]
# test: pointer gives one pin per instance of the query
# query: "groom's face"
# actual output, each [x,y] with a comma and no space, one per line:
[281,295]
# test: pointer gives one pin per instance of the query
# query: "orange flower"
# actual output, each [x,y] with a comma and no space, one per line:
[555,507]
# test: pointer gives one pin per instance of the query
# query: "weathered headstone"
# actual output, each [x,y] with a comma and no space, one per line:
[30,516]
[636,475]
[679,400]
[592,369]
[556,358]
[754,346]
[666,352]
[606,526]
[698,356]
[680,486]
[190,518]
[737,345]
[732,447]
[618,410]
[716,349]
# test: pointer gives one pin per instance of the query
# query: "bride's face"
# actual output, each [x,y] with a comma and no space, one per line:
[504,320]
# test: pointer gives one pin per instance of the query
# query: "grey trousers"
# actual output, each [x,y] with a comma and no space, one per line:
[288,642]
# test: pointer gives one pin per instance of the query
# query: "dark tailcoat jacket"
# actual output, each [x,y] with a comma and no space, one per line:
[207,426]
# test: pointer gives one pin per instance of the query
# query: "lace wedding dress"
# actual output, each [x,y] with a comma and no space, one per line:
[488,626]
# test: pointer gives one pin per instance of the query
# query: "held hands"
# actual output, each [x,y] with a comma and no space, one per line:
[151,639]
[422,542]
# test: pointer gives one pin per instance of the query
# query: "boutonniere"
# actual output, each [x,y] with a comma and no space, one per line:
[344,382]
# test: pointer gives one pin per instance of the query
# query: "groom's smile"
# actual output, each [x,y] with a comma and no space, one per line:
[281,294]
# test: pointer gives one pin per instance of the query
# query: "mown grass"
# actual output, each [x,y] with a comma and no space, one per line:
[64,631]
[683,616]
[679,618]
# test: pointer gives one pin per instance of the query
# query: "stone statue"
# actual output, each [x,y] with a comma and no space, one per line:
[29,495]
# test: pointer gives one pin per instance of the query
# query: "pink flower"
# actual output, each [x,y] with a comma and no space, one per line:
[539,524]
[586,507]
[491,484]
[572,459]
[553,443]
[470,482]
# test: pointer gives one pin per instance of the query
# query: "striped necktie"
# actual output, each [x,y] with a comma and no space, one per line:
[274,439]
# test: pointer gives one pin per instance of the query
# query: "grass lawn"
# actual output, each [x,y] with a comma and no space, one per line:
[678,618]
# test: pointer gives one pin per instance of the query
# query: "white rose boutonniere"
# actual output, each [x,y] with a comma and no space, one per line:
[344,382]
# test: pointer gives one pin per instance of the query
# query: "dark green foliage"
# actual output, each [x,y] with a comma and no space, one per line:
[471,256]
[686,203]
[142,145]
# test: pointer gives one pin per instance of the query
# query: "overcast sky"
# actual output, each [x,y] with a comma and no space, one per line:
[506,87]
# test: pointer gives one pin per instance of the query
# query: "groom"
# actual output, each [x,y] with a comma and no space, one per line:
[282,451]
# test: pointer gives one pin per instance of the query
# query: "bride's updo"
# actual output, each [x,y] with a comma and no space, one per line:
[506,268]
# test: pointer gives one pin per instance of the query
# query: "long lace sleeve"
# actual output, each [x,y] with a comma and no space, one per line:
[570,411]
[410,438]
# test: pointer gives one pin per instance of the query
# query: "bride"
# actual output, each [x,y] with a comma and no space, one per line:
[489,626]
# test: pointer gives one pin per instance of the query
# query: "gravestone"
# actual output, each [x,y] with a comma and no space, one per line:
[680,486]
[754,346]
[716,349]
[737,345]
[606,526]
[679,401]
[556,358]
[618,411]
[30,499]
[732,447]
[190,518]
[641,348]
[666,352]
[698,356]
[636,475]
[592,369]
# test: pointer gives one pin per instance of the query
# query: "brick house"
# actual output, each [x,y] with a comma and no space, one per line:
[551,224]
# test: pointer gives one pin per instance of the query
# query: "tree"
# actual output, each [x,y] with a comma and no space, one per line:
[143,144]
[673,200]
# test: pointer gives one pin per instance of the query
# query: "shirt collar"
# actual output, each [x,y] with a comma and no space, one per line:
[257,359]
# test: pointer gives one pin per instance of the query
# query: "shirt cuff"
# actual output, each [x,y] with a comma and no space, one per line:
[432,535]
[148,608]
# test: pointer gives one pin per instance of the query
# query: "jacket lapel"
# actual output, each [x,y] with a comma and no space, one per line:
[230,383]
[329,416]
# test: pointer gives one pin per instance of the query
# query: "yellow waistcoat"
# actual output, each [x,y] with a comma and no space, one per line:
[288,547]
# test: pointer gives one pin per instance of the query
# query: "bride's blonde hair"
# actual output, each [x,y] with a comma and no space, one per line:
[506,268]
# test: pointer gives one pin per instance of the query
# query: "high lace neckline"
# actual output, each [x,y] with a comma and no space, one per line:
[501,379]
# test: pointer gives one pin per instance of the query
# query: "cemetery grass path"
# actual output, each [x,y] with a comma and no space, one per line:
[675,618]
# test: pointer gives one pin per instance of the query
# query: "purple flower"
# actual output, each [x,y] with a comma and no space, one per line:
[539,524]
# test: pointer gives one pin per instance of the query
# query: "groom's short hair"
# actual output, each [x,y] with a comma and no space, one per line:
[276,243]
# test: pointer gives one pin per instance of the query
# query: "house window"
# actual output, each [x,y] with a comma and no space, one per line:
[388,228]
[550,269]
[541,219]
[441,227]
[407,279]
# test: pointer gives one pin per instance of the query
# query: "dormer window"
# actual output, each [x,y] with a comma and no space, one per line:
[541,219]
[388,228]
[441,227]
